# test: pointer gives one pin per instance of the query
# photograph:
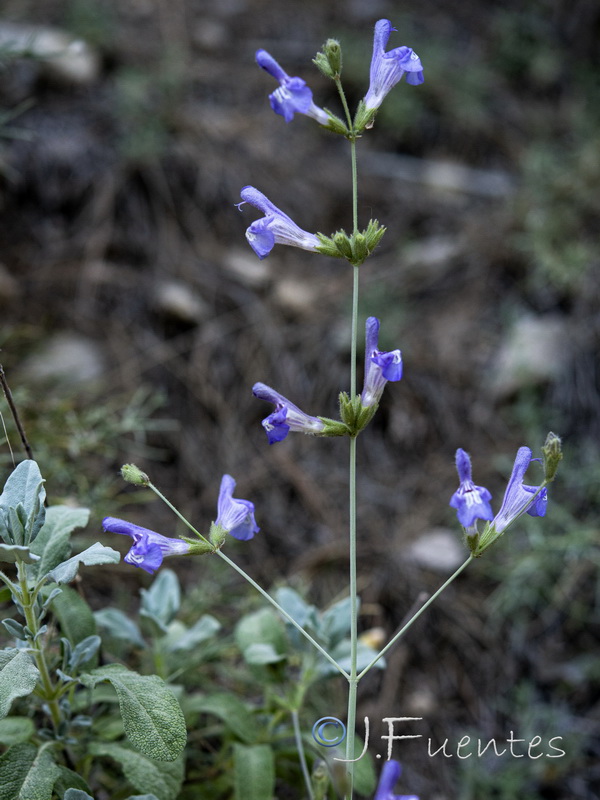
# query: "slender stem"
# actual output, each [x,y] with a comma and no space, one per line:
[354,186]
[283,612]
[49,692]
[178,513]
[14,412]
[415,617]
[301,755]
[352,680]
[352,138]
[353,345]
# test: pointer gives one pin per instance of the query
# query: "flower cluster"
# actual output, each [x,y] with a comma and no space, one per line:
[149,548]
[472,502]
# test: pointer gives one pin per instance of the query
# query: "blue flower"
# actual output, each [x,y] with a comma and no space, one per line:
[149,548]
[235,516]
[293,95]
[388,779]
[388,68]
[471,502]
[380,366]
[519,498]
[286,417]
[274,228]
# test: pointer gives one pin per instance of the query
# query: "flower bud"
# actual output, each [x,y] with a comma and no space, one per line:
[359,248]
[342,242]
[133,474]
[552,453]
[333,52]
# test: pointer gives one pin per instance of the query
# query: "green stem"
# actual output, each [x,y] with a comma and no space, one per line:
[283,612]
[352,138]
[355,274]
[415,617]
[301,755]
[48,690]
[178,513]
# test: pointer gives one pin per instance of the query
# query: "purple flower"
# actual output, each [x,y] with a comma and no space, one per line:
[149,548]
[518,498]
[471,502]
[235,516]
[293,95]
[274,228]
[286,417]
[388,779]
[388,68]
[380,366]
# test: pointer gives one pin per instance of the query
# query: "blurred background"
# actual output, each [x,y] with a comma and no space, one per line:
[135,320]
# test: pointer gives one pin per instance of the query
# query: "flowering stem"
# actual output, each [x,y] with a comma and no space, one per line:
[283,612]
[352,137]
[178,513]
[300,748]
[415,617]
[48,690]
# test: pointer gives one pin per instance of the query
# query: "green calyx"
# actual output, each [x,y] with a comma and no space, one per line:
[198,548]
[356,247]
[336,125]
[364,118]
[552,455]
[133,474]
[333,427]
[354,414]
[329,59]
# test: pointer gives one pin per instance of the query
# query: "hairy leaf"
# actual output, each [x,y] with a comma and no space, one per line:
[156,777]
[253,772]
[18,677]
[96,554]
[152,717]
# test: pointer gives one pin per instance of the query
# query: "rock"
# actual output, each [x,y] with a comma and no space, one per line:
[177,299]
[439,550]
[67,357]
[440,175]
[60,56]
[535,351]
[296,296]
[248,268]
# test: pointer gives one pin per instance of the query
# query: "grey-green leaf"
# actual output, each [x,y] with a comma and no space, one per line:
[77,794]
[262,653]
[18,677]
[75,616]
[159,778]
[261,626]
[117,624]
[230,710]
[203,629]
[152,717]
[25,488]
[96,554]
[253,772]
[53,541]
[14,730]
[17,552]
[27,773]
[162,600]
